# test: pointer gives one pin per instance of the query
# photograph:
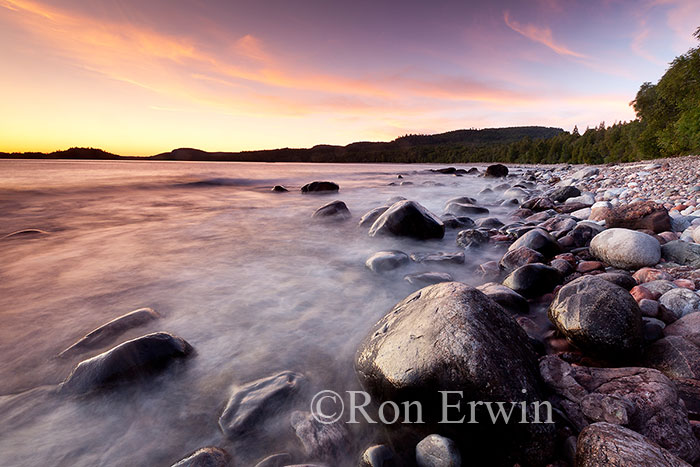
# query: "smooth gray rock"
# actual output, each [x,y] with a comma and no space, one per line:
[659,286]
[437,451]
[427,278]
[252,402]
[684,253]
[626,249]
[137,357]
[439,257]
[539,240]
[383,261]
[210,456]
[335,210]
[368,219]
[680,301]
[457,222]
[408,219]
[463,209]
[106,333]
[598,317]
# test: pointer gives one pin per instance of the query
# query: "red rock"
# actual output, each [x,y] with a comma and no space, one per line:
[568,257]
[642,215]
[679,207]
[588,266]
[651,274]
[500,238]
[640,293]
[685,283]
[599,213]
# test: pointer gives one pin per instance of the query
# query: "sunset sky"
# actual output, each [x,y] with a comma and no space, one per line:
[139,77]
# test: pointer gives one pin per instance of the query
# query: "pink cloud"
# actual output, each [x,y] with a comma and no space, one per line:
[542,35]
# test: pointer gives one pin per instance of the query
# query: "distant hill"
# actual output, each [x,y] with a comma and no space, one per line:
[72,153]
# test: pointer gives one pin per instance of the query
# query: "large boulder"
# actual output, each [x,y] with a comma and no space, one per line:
[598,317]
[408,219]
[607,444]
[626,249]
[680,301]
[106,333]
[335,210]
[641,215]
[134,358]
[533,280]
[452,337]
[249,404]
[210,456]
[539,240]
[320,187]
[496,170]
[684,253]
[642,399]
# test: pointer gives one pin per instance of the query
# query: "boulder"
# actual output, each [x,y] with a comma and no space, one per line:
[324,441]
[378,455]
[684,253]
[539,240]
[335,210]
[563,193]
[675,356]
[383,261]
[408,219]
[598,317]
[279,189]
[509,299]
[642,399]
[489,223]
[439,257]
[607,444]
[686,326]
[533,280]
[659,286]
[453,337]
[320,187]
[133,358]
[427,278]
[513,259]
[626,249]
[651,274]
[457,222]
[210,456]
[106,333]
[538,204]
[626,281]
[370,216]
[463,209]
[437,451]
[680,301]
[496,170]
[471,238]
[641,215]
[252,402]
[460,200]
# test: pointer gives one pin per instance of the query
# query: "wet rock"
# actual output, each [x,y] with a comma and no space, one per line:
[322,441]
[607,444]
[539,240]
[335,210]
[642,215]
[470,238]
[653,329]
[496,170]
[521,256]
[319,187]
[583,233]
[598,317]
[457,222]
[453,337]
[659,286]
[408,219]
[384,261]
[427,278]
[649,308]
[437,451]
[681,252]
[564,267]
[640,293]
[585,267]
[439,257]
[462,209]
[675,356]
[684,327]
[376,456]
[626,249]
[250,404]
[680,301]
[279,189]
[533,280]
[137,357]
[563,193]
[106,333]
[538,204]
[509,299]
[643,399]
[651,274]
[276,460]
[210,456]
[489,223]
[460,200]
[370,216]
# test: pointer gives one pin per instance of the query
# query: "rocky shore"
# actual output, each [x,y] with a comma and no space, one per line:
[593,308]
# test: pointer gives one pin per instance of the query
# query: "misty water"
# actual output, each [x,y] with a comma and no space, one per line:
[242,273]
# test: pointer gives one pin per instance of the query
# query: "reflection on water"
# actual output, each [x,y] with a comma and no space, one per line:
[238,271]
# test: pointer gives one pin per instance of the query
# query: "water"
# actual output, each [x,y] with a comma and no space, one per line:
[240,272]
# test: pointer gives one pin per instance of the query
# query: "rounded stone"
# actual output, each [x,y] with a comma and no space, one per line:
[626,249]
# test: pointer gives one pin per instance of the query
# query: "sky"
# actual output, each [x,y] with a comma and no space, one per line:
[140,78]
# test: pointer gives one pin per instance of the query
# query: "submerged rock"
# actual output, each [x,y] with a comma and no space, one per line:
[279,189]
[408,219]
[318,187]
[626,249]
[437,451]
[106,333]
[496,170]
[427,278]
[463,209]
[472,238]
[447,337]
[533,280]
[376,456]
[509,299]
[249,404]
[521,256]
[210,456]
[371,216]
[598,317]
[384,261]
[457,222]
[335,210]
[137,357]
[327,442]
[439,257]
